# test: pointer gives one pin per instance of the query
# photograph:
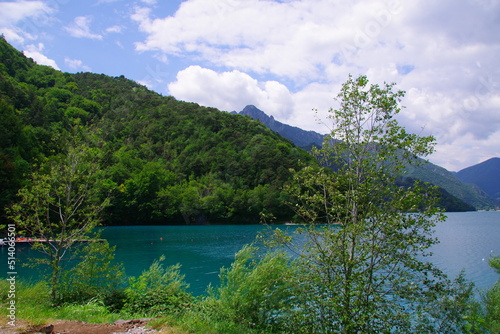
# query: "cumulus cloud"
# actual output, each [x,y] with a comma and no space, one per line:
[35,52]
[230,90]
[114,29]
[80,28]
[13,12]
[444,54]
[29,15]
[76,64]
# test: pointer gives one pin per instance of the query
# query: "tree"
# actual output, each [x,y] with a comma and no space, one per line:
[95,276]
[61,206]
[491,301]
[362,258]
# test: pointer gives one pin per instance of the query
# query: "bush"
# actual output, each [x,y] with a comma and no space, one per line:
[94,278]
[158,291]
[491,301]
[254,292]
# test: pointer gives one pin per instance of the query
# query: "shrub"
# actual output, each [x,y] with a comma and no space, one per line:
[492,301]
[94,278]
[255,292]
[158,291]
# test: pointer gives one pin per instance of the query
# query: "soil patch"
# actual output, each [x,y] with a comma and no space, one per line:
[136,326]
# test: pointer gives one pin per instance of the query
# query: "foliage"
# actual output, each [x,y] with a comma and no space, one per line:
[32,300]
[446,201]
[60,207]
[365,270]
[255,292]
[94,277]
[158,291]
[455,311]
[34,306]
[492,301]
[172,162]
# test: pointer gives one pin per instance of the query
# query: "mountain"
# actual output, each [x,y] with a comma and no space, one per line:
[457,196]
[167,161]
[485,175]
[447,180]
[302,138]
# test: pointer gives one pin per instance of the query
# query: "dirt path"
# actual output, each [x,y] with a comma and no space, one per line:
[136,326]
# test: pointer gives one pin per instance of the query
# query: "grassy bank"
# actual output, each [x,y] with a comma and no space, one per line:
[34,309]
[259,293]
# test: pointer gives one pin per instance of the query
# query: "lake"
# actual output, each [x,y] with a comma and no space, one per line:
[467,241]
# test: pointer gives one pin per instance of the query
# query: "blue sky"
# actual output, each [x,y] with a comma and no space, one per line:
[288,57]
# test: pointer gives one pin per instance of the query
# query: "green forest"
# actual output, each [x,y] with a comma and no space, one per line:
[164,161]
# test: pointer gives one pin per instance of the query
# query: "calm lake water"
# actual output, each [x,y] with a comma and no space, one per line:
[467,241]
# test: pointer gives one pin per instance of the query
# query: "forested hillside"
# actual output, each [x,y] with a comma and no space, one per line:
[484,175]
[439,176]
[455,195]
[301,138]
[167,161]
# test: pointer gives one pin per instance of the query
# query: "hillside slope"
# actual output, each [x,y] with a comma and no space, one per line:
[460,192]
[167,161]
[486,175]
[299,137]
[447,180]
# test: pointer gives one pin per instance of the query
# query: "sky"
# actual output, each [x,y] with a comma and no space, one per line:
[289,58]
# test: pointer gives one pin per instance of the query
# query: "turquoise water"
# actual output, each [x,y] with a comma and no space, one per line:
[201,250]
[467,240]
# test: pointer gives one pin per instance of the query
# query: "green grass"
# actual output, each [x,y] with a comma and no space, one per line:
[33,305]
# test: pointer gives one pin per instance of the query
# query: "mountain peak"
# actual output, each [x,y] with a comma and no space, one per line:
[298,136]
[256,113]
[485,175]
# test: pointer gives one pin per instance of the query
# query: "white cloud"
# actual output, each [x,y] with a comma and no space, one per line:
[13,12]
[29,15]
[233,90]
[35,52]
[12,34]
[114,29]
[80,28]
[444,54]
[76,64]
[294,39]
[230,91]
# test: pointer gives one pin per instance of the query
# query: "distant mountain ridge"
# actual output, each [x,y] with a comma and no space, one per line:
[486,175]
[301,138]
[469,192]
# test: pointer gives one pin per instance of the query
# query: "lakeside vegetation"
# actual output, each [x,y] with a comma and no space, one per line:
[255,297]
[85,148]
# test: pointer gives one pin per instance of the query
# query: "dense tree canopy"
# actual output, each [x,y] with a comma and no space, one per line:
[171,161]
